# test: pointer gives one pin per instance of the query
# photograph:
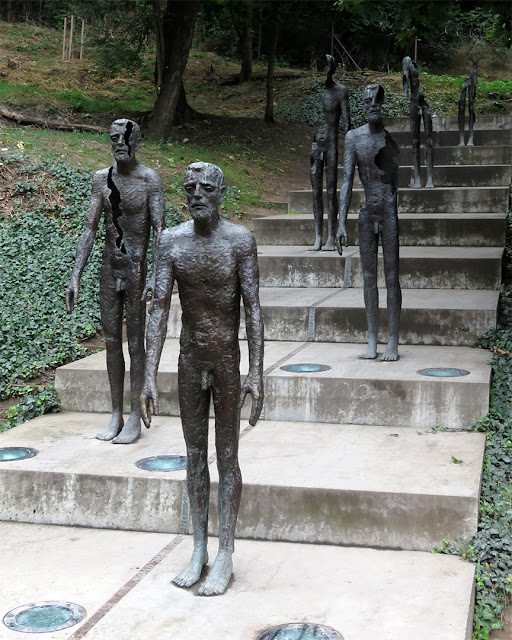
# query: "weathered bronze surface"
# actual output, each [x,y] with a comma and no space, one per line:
[469,88]
[215,264]
[131,197]
[374,151]
[325,152]
[419,110]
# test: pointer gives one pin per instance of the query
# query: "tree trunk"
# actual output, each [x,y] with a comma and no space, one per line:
[159,46]
[178,29]
[246,50]
[241,17]
[9,10]
[269,111]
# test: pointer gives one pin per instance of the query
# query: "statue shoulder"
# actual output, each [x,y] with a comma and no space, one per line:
[150,175]
[242,238]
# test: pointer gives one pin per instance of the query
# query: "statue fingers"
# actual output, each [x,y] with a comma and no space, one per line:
[243,393]
[257,406]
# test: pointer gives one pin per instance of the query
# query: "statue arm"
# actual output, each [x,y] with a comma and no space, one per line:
[157,216]
[349,166]
[345,111]
[405,75]
[157,325]
[85,243]
[248,272]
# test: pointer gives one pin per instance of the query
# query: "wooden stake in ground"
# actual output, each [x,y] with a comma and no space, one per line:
[64,39]
[71,29]
[82,40]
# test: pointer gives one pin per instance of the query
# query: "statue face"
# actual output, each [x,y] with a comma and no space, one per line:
[121,140]
[372,101]
[203,195]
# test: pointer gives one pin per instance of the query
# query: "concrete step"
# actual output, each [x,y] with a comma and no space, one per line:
[386,487]
[420,267]
[450,123]
[353,391]
[436,200]
[482,137]
[499,154]
[455,175]
[427,230]
[429,316]
[358,592]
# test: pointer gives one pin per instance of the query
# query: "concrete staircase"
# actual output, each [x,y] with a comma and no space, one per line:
[354,459]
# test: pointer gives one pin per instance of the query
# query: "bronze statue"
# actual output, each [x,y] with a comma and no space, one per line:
[374,151]
[469,88]
[335,105]
[316,172]
[131,197]
[419,110]
[214,262]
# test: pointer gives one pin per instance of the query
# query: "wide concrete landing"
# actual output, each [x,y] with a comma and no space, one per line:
[428,230]
[436,200]
[388,487]
[123,581]
[353,391]
[429,316]
[420,267]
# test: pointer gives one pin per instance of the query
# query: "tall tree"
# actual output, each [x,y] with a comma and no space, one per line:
[241,16]
[178,29]
[269,109]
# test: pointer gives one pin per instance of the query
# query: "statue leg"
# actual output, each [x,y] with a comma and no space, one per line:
[429,134]
[471,114]
[135,328]
[111,305]
[194,409]
[316,172]
[462,110]
[368,245]
[415,130]
[390,249]
[226,391]
[331,180]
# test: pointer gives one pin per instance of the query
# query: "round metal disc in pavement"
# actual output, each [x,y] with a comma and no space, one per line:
[300,631]
[16,453]
[443,372]
[44,617]
[305,367]
[163,463]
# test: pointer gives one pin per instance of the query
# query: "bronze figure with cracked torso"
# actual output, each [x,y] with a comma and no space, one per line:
[468,88]
[131,198]
[215,264]
[372,149]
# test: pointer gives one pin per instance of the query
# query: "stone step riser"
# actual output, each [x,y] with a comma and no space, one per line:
[402,399]
[482,137]
[453,155]
[450,123]
[438,200]
[425,231]
[450,176]
[415,273]
[454,327]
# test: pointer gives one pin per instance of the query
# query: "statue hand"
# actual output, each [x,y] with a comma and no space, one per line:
[72,295]
[149,394]
[253,385]
[341,239]
[150,286]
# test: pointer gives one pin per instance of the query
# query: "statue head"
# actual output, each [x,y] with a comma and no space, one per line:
[373,97]
[125,139]
[205,189]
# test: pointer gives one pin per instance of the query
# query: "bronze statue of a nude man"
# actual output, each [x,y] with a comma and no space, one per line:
[335,105]
[131,197]
[374,151]
[214,262]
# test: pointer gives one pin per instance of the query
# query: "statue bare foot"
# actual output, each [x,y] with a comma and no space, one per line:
[417,184]
[470,143]
[219,576]
[461,143]
[130,432]
[329,245]
[317,246]
[115,426]
[193,572]
[370,353]
[391,352]
[430,184]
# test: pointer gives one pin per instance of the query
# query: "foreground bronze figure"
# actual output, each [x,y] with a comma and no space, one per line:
[214,262]
[374,151]
[419,110]
[469,88]
[335,105]
[131,197]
